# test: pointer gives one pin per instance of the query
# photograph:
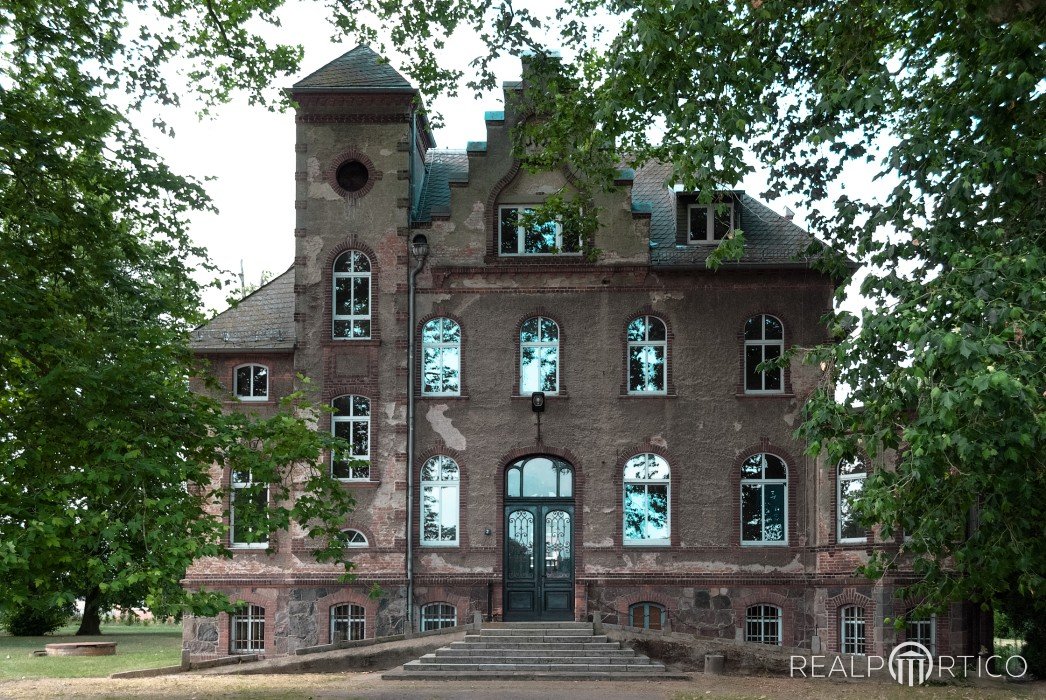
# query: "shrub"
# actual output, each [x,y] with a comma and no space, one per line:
[27,620]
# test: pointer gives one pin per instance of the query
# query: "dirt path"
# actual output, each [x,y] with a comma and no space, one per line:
[370,686]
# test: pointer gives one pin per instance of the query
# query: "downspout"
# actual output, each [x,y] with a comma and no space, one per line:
[419,249]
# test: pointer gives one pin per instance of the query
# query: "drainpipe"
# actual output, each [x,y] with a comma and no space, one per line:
[419,247]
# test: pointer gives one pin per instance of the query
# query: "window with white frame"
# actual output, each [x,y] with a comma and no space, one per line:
[247,630]
[709,223]
[648,616]
[647,356]
[539,356]
[252,382]
[764,500]
[351,422]
[440,492]
[924,631]
[353,538]
[646,501]
[537,238]
[763,624]
[441,358]
[851,630]
[436,616]
[348,622]
[764,341]
[248,512]
[850,481]
[351,296]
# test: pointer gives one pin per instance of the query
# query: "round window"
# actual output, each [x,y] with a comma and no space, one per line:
[352,176]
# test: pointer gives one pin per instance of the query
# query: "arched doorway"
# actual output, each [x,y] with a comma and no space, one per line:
[539,539]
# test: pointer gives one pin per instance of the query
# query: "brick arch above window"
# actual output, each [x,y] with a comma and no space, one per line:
[794,470]
[540,312]
[336,161]
[441,312]
[264,598]
[648,310]
[834,608]
[342,597]
[428,595]
[440,448]
[675,488]
[352,242]
[767,596]
[788,330]
[646,594]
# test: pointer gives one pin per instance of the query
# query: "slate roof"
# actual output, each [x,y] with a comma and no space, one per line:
[263,320]
[441,168]
[359,68]
[770,239]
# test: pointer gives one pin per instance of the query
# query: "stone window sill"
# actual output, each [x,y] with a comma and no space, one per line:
[765,396]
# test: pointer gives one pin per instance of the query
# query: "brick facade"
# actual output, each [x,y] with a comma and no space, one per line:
[704,425]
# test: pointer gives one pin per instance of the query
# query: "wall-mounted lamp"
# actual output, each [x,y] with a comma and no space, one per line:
[537,402]
[419,245]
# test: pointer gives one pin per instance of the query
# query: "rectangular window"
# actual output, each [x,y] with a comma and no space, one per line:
[537,239]
[709,223]
[355,464]
[853,639]
[924,632]
[438,616]
[248,630]
[439,505]
[248,513]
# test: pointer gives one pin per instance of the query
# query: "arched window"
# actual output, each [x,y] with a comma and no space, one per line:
[922,630]
[764,341]
[851,630]
[351,290]
[247,630]
[850,481]
[646,504]
[248,512]
[351,422]
[354,538]
[252,383]
[348,622]
[647,356]
[435,616]
[439,501]
[539,356]
[764,500]
[539,477]
[441,358]
[763,624]
[648,616]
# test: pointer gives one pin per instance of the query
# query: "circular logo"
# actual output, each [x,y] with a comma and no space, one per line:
[910,663]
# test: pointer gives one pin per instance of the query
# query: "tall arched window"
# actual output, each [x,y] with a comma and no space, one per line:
[646,501]
[252,383]
[764,500]
[351,422]
[764,341]
[850,481]
[348,622]
[441,358]
[539,356]
[851,630]
[763,624]
[647,356]
[435,616]
[440,495]
[351,291]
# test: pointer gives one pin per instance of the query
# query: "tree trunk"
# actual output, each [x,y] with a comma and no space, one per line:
[91,622]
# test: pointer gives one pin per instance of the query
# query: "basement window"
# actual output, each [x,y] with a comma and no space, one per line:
[437,616]
[647,616]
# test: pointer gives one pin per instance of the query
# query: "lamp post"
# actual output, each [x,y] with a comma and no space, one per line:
[419,248]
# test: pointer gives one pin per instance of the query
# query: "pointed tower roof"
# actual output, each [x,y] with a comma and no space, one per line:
[359,70]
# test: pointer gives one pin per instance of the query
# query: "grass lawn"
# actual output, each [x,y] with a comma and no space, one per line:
[137,646]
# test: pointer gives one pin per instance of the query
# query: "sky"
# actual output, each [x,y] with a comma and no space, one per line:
[249,153]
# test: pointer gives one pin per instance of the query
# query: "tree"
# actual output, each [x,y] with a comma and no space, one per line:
[106,490]
[941,102]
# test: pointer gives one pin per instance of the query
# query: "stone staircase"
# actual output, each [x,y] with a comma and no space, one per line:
[534,650]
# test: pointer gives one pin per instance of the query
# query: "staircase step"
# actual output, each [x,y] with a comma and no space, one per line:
[469,675]
[533,638]
[536,625]
[609,668]
[537,631]
[530,660]
[557,646]
[542,651]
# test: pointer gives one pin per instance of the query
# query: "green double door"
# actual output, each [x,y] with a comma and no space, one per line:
[539,561]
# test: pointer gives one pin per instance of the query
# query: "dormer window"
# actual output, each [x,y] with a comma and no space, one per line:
[709,223]
[536,239]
